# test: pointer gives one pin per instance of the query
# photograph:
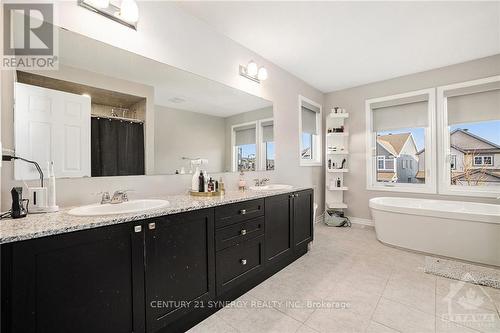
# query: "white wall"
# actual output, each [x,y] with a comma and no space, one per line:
[169,35]
[180,133]
[353,100]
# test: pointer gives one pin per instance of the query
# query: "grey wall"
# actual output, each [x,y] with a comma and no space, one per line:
[181,133]
[353,100]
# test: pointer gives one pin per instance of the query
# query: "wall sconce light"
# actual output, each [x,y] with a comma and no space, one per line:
[252,72]
[125,12]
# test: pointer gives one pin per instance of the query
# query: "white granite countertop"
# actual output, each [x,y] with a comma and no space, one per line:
[40,225]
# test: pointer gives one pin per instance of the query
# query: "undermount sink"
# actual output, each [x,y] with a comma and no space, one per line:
[127,207]
[271,187]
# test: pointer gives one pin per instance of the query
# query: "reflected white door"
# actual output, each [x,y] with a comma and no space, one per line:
[51,125]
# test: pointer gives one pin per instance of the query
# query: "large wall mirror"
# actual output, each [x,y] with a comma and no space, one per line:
[110,112]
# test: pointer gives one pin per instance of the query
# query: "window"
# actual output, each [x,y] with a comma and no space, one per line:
[245,147]
[399,134]
[469,127]
[310,132]
[267,144]
[483,160]
[453,162]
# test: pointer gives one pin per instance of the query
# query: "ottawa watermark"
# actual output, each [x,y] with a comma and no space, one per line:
[29,36]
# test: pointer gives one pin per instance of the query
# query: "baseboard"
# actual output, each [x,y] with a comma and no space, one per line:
[359,220]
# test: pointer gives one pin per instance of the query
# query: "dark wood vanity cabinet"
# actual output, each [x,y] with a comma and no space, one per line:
[151,275]
[86,281]
[179,267]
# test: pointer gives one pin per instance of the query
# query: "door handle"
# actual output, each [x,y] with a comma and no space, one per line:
[152,226]
[243,261]
[243,232]
[137,228]
[243,211]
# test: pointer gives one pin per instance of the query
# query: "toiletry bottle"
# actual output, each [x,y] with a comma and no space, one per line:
[329,163]
[242,184]
[201,182]
[339,183]
[205,186]
[51,195]
[221,186]
[195,183]
[210,185]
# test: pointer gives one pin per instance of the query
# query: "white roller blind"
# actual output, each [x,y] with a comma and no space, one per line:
[400,113]
[309,124]
[474,107]
[245,135]
[267,132]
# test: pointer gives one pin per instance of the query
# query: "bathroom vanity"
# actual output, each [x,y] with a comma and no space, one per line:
[159,272]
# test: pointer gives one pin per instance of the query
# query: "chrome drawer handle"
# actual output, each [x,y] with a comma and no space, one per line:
[243,261]
[137,228]
[243,211]
[243,232]
[152,226]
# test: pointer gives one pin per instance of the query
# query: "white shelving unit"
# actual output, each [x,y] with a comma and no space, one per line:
[334,195]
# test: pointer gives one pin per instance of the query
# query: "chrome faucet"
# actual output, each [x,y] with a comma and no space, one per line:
[119,197]
[261,182]
[106,198]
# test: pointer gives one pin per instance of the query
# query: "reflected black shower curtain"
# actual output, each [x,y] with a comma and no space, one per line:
[117,148]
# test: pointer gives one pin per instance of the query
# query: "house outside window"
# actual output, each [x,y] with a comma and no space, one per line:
[473,137]
[399,134]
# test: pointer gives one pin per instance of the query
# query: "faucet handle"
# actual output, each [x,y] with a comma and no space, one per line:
[257,181]
[105,197]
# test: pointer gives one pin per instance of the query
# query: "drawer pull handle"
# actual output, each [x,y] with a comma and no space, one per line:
[152,226]
[137,228]
[243,261]
[243,211]
[243,232]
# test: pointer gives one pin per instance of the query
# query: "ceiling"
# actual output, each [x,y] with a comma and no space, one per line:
[336,45]
[173,87]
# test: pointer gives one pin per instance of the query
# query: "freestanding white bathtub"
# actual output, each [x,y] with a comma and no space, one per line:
[463,230]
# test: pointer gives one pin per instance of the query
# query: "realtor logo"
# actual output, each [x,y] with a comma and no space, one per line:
[28,36]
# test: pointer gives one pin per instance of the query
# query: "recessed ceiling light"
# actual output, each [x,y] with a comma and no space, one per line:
[177,100]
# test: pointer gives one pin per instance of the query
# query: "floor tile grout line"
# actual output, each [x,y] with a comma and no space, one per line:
[382,293]
[385,325]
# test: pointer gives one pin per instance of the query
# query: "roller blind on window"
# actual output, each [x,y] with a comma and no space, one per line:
[267,132]
[473,107]
[400,113]
[245,135]
[309,123]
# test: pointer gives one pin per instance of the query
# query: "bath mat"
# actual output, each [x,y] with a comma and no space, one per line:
[456,270]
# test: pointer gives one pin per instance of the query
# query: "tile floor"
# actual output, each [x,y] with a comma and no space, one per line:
[349,282]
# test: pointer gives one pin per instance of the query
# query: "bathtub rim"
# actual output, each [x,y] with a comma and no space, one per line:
[471,217]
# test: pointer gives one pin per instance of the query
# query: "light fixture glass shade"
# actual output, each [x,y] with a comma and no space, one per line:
[262,75]
[98,3]
[129,11]
[252,68]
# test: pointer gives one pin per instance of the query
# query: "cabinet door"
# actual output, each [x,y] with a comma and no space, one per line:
[279,237]
[302,218]
[180,265]
[86,281]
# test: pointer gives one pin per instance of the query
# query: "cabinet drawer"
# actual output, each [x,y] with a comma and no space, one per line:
[237,233]
[241,211]
[237,264]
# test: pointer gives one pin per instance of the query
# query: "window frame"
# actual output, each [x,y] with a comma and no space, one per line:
[317,140]
[482,157]
[430,185]
[444,149]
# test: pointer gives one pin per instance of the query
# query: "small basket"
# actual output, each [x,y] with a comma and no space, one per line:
[335,218]
[205,194]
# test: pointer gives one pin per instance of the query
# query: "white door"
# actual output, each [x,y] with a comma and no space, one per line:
[51,125]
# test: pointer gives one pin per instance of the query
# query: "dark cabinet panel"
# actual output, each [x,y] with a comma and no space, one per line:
[180,265]
[238,263]
[303,217]
[86,281]
[233,213]
[237,233]
[279,237]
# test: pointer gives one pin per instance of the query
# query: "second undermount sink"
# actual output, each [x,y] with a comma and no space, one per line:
[128,207]
[271,187]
